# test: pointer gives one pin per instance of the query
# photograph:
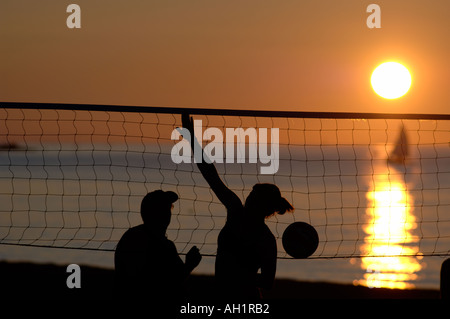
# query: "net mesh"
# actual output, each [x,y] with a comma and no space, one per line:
[74,177]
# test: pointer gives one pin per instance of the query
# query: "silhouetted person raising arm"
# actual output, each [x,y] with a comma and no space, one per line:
[245,244]
[147,264]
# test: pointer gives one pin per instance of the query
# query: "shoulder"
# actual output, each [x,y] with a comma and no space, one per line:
[171,246]
[132,235]
[134,231]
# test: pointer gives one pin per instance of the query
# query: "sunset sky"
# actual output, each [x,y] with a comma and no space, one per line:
[271,55]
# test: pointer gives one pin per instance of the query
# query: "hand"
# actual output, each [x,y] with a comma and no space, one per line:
[188,124]
[193,258]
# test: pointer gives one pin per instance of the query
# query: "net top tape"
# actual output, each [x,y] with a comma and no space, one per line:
[223,112]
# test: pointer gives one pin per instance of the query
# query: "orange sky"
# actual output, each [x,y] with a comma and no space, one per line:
[271,55]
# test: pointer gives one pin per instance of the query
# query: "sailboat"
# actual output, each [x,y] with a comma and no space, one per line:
[400,152]
[8,147]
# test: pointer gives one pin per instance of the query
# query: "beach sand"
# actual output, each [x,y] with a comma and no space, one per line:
[48,282]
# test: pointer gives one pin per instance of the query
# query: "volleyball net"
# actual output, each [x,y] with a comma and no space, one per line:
[73,176]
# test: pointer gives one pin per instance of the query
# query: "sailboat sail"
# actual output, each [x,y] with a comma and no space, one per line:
[400,151]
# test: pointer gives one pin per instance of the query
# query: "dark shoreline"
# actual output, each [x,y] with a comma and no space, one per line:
[48,282]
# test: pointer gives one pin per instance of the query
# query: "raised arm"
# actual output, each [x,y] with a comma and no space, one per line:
[208,170]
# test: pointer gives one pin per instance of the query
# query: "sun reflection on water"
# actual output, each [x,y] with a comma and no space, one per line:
[389,234]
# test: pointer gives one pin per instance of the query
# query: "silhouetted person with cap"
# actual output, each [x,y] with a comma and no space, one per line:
[147,264]
[245,244]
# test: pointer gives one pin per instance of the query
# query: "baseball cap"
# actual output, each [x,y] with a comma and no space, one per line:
[158,198]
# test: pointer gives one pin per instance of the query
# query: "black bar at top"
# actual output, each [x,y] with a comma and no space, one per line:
[224,112]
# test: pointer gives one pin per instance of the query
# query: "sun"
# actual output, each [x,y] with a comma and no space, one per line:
[391,80]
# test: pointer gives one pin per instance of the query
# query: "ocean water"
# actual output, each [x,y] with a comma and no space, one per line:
[79,200]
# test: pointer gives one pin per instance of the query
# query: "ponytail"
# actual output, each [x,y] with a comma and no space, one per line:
[284,206]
